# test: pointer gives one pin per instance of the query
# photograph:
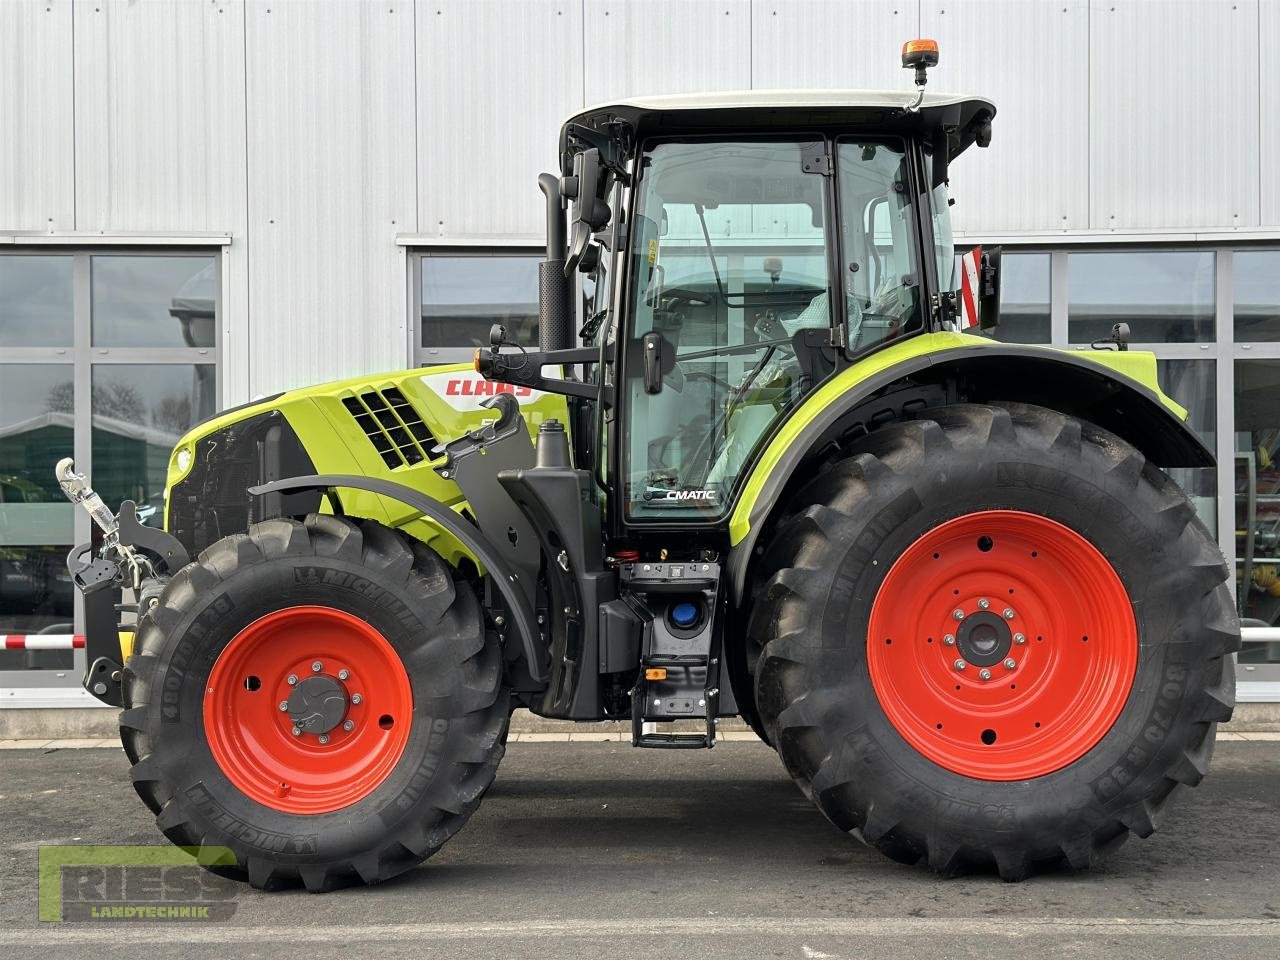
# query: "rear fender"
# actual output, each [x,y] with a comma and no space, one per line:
[1115,390]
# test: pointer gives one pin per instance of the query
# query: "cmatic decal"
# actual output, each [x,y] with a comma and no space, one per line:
[464,391]
[704,496]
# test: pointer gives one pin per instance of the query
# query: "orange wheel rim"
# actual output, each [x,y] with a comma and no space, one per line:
[307,710]
[1002,645]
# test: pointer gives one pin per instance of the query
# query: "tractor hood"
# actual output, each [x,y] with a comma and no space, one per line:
[387,426]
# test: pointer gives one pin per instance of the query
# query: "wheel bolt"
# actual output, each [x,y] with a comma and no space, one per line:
[1008,613]
[960,664]
[284,706]
[1019,638]
[1010,663]
[317,667]
[324,738]
[984,673]
[984,603]
[348,725]
[949,640]
[297,731]
[356,698]
[958,614]
[343,674]
[292,680]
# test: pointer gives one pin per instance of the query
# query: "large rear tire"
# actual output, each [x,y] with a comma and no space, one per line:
[993,637]
[321,697]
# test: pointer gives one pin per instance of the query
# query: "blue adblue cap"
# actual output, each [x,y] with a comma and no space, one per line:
[684,614]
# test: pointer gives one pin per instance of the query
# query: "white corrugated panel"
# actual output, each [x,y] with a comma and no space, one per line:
[159,116]
[1269,110]
[494,81]
[36,132]
[331,183]
[1032,60]
[1174,113]
[831,43]
[634,47]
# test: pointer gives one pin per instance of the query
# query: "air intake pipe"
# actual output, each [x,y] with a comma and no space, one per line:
[555,318]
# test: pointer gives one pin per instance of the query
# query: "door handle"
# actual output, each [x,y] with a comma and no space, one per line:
[651,346]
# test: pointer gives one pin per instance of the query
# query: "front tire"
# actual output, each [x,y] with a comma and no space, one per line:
[1090,679]
[320,697]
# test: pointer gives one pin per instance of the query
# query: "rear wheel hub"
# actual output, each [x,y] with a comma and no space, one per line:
[983,639]
[1002,645]
[318,704]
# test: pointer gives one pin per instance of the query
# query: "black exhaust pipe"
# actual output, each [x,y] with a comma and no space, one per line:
[555,317]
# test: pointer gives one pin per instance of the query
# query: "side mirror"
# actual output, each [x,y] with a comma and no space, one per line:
[980,288]
[587,212]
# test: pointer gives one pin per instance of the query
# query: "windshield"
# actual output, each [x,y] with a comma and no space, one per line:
[730,267]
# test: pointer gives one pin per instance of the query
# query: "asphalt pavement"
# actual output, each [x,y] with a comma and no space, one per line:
[598,850]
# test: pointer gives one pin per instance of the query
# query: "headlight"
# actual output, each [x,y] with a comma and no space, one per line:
[183,460]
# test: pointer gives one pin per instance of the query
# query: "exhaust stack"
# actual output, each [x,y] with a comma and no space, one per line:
[555,317]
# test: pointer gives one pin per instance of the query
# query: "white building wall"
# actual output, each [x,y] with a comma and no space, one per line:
[331,142]
[494,81]
[37,157]
[317,133]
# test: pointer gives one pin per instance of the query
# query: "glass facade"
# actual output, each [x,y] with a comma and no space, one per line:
[1024,298]
[1257,505]
[1211,314]
[1165,296]
[108,358]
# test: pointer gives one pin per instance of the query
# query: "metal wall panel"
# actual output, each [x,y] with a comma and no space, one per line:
[1269,110]
[494,82]
[1035,174]
[635,47]
[799,44]
[37,164]
[1174,127]
[159,103]
[331,183]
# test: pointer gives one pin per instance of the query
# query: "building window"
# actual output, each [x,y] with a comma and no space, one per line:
[1257,431]
[1024,298]
[1257,295]
[109,357]
[1193,384]
[460,295]
[1166,296]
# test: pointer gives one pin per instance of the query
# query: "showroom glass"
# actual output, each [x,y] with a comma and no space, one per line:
[1256,276]
[1166,296]
[153,301]
[36,521]
[1024,298]
[35,301]
[139,413]
[162,307]
[1257,431]
[1193,384]
[462,296]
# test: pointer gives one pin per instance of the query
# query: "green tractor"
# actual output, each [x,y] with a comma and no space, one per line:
[763,463]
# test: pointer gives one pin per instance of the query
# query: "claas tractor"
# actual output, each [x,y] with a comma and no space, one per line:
[766,460]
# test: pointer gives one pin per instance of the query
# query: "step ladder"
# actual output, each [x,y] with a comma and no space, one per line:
[679,673]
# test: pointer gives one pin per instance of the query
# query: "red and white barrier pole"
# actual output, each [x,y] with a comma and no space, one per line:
[44,641]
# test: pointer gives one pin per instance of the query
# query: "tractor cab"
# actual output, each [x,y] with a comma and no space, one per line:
[737,250]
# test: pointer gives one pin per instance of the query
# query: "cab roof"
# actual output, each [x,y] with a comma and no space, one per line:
[757,111]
